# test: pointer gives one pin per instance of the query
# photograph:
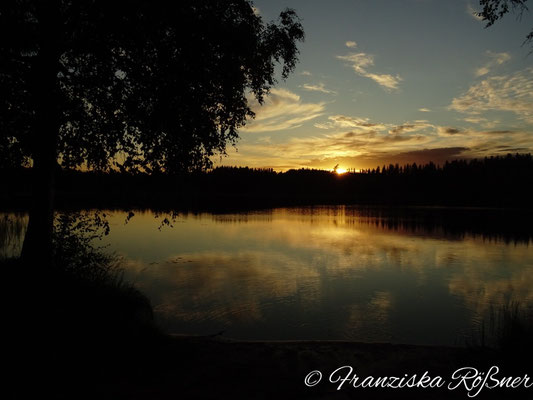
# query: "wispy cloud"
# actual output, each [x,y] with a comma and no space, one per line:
[360,142]
[410,127]
[345,144]
[364,144]
[361,125]
[473,12]
[484,122]
[360,63]
[265,139]
[317,88]
[512,93]
[482,71]
[475,120]
[282,109]
[354,123]
[351,44]
[495,60]
[423,109]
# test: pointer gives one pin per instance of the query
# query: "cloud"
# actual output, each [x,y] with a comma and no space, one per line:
[400,138]
[256,10]
[386,80]
[317,88]
[424,109]
[265,139]
[499,58]
[438,155]
[495,60]
[473,13]
[484,122]
[351,44]
[410,127]
[447,131]
[482,71]
[361,61]
[359,137]
[365,144]
[306,73]
[363,137]
[475,120]
[354,123]
[359,142]
[346,143]
[282,109]
[512,93]
[361,125]
[500,132]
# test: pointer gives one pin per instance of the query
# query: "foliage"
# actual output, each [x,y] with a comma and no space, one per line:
[90,279]
[74,249]
[494,10]
[147,84]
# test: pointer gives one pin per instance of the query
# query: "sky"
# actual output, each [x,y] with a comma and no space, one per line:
[393,81]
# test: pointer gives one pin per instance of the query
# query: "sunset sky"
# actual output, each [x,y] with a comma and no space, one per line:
[386,81]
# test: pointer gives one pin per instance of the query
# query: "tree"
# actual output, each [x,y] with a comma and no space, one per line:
[496,9]
[139,84]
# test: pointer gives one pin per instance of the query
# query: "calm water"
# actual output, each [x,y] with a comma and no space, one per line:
[325,273]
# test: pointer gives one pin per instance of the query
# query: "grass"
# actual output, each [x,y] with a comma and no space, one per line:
[508,329]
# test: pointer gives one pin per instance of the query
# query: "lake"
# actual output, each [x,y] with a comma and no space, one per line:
[418,276]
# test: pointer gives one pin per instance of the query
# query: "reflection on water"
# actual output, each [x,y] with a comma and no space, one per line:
[421,276]
[326,273]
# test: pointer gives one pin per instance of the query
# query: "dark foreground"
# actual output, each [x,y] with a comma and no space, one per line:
[69,338]
[210,368]
[174,367]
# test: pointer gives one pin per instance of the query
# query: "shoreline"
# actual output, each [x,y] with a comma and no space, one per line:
[219,367]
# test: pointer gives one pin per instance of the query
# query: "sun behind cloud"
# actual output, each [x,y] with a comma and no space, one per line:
[338,170]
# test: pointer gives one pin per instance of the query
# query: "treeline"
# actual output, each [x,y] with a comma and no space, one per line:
[490,182]
[517,163]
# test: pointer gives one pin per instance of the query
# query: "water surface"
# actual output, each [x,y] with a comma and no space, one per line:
[323,273]
[420,277]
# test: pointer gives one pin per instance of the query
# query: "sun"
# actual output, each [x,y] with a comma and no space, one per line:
[341,171]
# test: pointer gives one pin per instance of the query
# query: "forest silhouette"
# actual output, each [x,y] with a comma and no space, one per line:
[500,181]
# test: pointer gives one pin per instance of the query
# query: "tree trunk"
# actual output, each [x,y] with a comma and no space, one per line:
[37,247]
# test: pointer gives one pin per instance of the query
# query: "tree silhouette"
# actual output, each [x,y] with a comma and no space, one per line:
[493,10]
[139,84]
